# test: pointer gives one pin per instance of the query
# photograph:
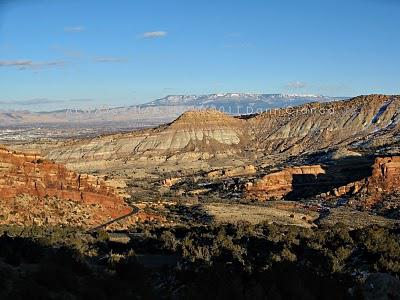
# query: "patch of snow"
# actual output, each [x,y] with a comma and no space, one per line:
[383,108]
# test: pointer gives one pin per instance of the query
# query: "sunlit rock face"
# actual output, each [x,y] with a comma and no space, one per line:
[360,121]
[279,184]
[310,180]
[31,175]
[385,174]
[196,134]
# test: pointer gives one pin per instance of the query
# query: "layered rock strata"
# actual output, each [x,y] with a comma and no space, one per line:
[384,179]
[30,174]
[279,184]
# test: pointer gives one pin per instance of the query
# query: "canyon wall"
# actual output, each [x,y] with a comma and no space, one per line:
[385,175]
[279,184]
[305,180]
[385,179]
[30,174]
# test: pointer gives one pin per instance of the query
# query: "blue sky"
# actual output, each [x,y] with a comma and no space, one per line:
[58,53]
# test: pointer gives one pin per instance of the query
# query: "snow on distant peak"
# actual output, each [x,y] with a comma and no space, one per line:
[235,99]
[304,96]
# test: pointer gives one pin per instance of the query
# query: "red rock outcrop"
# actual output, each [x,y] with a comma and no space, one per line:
[385,179]
[232,172]
[279,184]
[168,182]
[385,175]
[30,174]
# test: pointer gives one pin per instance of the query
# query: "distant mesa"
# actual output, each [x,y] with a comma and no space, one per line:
[204,118]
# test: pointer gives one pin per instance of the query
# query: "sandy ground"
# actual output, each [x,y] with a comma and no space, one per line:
[231,213]
[354,219]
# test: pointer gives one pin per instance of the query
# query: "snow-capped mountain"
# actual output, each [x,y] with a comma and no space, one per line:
[239,101]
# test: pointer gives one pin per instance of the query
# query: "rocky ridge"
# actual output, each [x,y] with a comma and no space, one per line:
[319,126]
[198,134]
[306,180]
[33,177]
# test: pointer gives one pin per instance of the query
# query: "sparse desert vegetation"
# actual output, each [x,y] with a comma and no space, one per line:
[241,260]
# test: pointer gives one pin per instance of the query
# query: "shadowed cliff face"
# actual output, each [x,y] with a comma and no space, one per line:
[279,184]
[31,175]
[373,178]
[385,179]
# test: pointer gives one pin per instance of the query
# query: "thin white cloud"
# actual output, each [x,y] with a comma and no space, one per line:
[74,29]
[237,45]
[29,102]
[38,101]
[73,53]
[154,34]
[29,64]
[14,63]
[110,59]
[67,52]
[296,85]
[82,100]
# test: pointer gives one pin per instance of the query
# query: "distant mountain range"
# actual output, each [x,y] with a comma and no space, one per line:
[159,111]
[240,103]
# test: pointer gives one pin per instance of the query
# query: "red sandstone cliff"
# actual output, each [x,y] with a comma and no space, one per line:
[29,174]
[385,179]
[385,175]
[279,184]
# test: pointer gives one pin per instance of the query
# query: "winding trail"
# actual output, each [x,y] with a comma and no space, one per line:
[134,211]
